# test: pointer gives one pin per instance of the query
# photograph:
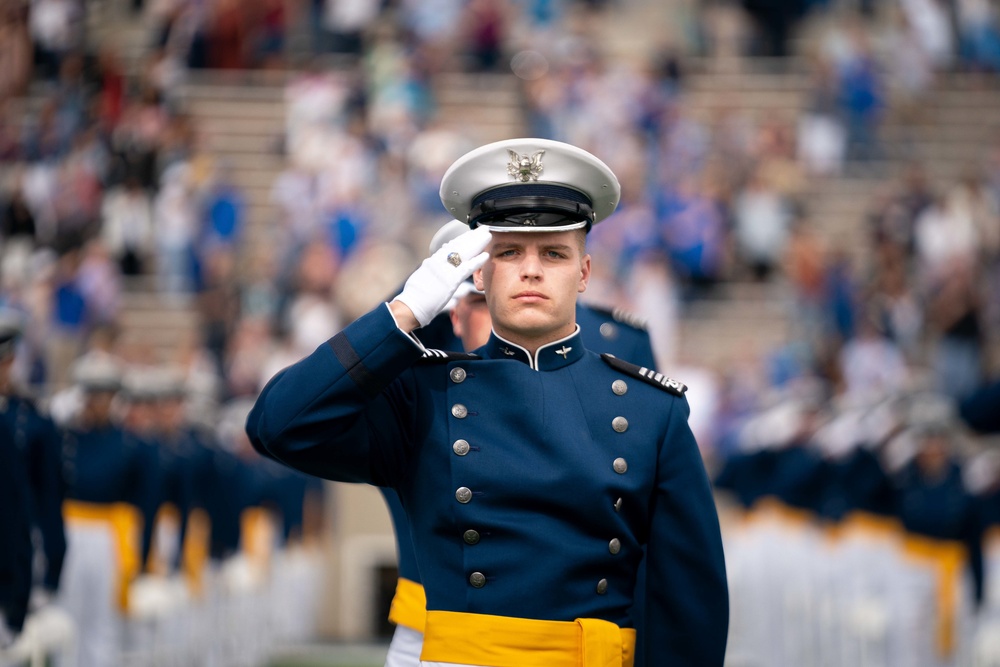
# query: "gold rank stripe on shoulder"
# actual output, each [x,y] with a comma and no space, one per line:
[625,317]
[646,374]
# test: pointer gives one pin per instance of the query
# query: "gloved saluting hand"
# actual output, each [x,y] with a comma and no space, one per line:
[429,288]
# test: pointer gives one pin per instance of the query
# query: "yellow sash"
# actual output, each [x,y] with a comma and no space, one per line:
[409,605]
[947,559]
[257,536]
[504,641]
[195,554]
[125,522]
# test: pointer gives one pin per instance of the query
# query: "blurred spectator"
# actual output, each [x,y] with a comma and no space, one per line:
[775,20]
[17,222]
[219,303]
[485,33]
[953,314]
[693,229]
[15,51]
[761,217]
[100,285]
[894,215]
[311,316]
[56,31]
[224,210]
[69,319]
[871,365]
[862,98]
[894,303]
[110,76]
[804,264]
[908,65]
[973,200]
[175,228]
[933,29]
[345,22]
[943,234]
[725,30]
[269,40]
[979,34]
[228,35]
[127,226]
[821,134]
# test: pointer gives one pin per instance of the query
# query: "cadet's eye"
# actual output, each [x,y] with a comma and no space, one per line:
[506,253]
[555,254]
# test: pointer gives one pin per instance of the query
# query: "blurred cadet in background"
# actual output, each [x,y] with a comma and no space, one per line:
[15,535]
[39,444]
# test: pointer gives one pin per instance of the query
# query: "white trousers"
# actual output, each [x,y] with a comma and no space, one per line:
[404,649]
[88,594]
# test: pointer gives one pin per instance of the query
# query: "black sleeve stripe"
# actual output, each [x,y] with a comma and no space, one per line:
[350,360]
[646,374]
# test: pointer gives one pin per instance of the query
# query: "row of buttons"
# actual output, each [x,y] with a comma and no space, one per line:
[464,494]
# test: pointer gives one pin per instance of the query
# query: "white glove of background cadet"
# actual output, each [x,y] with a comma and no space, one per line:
[429,288]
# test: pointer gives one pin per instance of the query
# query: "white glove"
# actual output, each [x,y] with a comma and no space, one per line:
[428,289]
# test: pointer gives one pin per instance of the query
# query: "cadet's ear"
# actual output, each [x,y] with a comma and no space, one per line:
[477,279]
[584,274]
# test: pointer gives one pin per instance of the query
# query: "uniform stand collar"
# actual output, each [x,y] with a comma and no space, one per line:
[549,357]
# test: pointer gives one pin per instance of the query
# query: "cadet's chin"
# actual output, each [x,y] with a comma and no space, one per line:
[531,323]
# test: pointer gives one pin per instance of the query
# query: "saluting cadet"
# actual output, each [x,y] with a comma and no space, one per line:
[532,471]
[466,325]
[39,444]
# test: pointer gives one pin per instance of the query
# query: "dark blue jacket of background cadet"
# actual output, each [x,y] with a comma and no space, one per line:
[526,459]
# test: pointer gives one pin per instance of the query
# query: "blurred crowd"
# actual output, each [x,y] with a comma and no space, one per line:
[111,188]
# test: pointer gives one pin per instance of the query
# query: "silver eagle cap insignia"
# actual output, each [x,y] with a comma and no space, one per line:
[523,168]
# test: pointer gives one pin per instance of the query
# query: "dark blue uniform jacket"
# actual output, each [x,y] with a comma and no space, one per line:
[558,499]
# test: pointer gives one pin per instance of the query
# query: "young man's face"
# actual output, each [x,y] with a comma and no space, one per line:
[531,281]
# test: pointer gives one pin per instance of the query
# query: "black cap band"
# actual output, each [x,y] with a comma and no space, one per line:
[531,205]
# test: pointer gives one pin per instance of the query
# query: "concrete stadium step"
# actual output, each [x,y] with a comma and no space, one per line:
[485,107]
[225,108]
[156,321]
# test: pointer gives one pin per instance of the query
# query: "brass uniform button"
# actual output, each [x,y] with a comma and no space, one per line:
[471,537]
[460,411]
[619,424]
[461,447]
[614,546]
[618,505]
[602,586]
[458,375]
[619,387]
[620,466]
[463,494]
[477,579]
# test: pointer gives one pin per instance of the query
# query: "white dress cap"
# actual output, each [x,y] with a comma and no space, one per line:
[530,185]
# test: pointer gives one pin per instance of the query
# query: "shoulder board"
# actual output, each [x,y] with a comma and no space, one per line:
[631,319]
[432,356]
[647,375]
